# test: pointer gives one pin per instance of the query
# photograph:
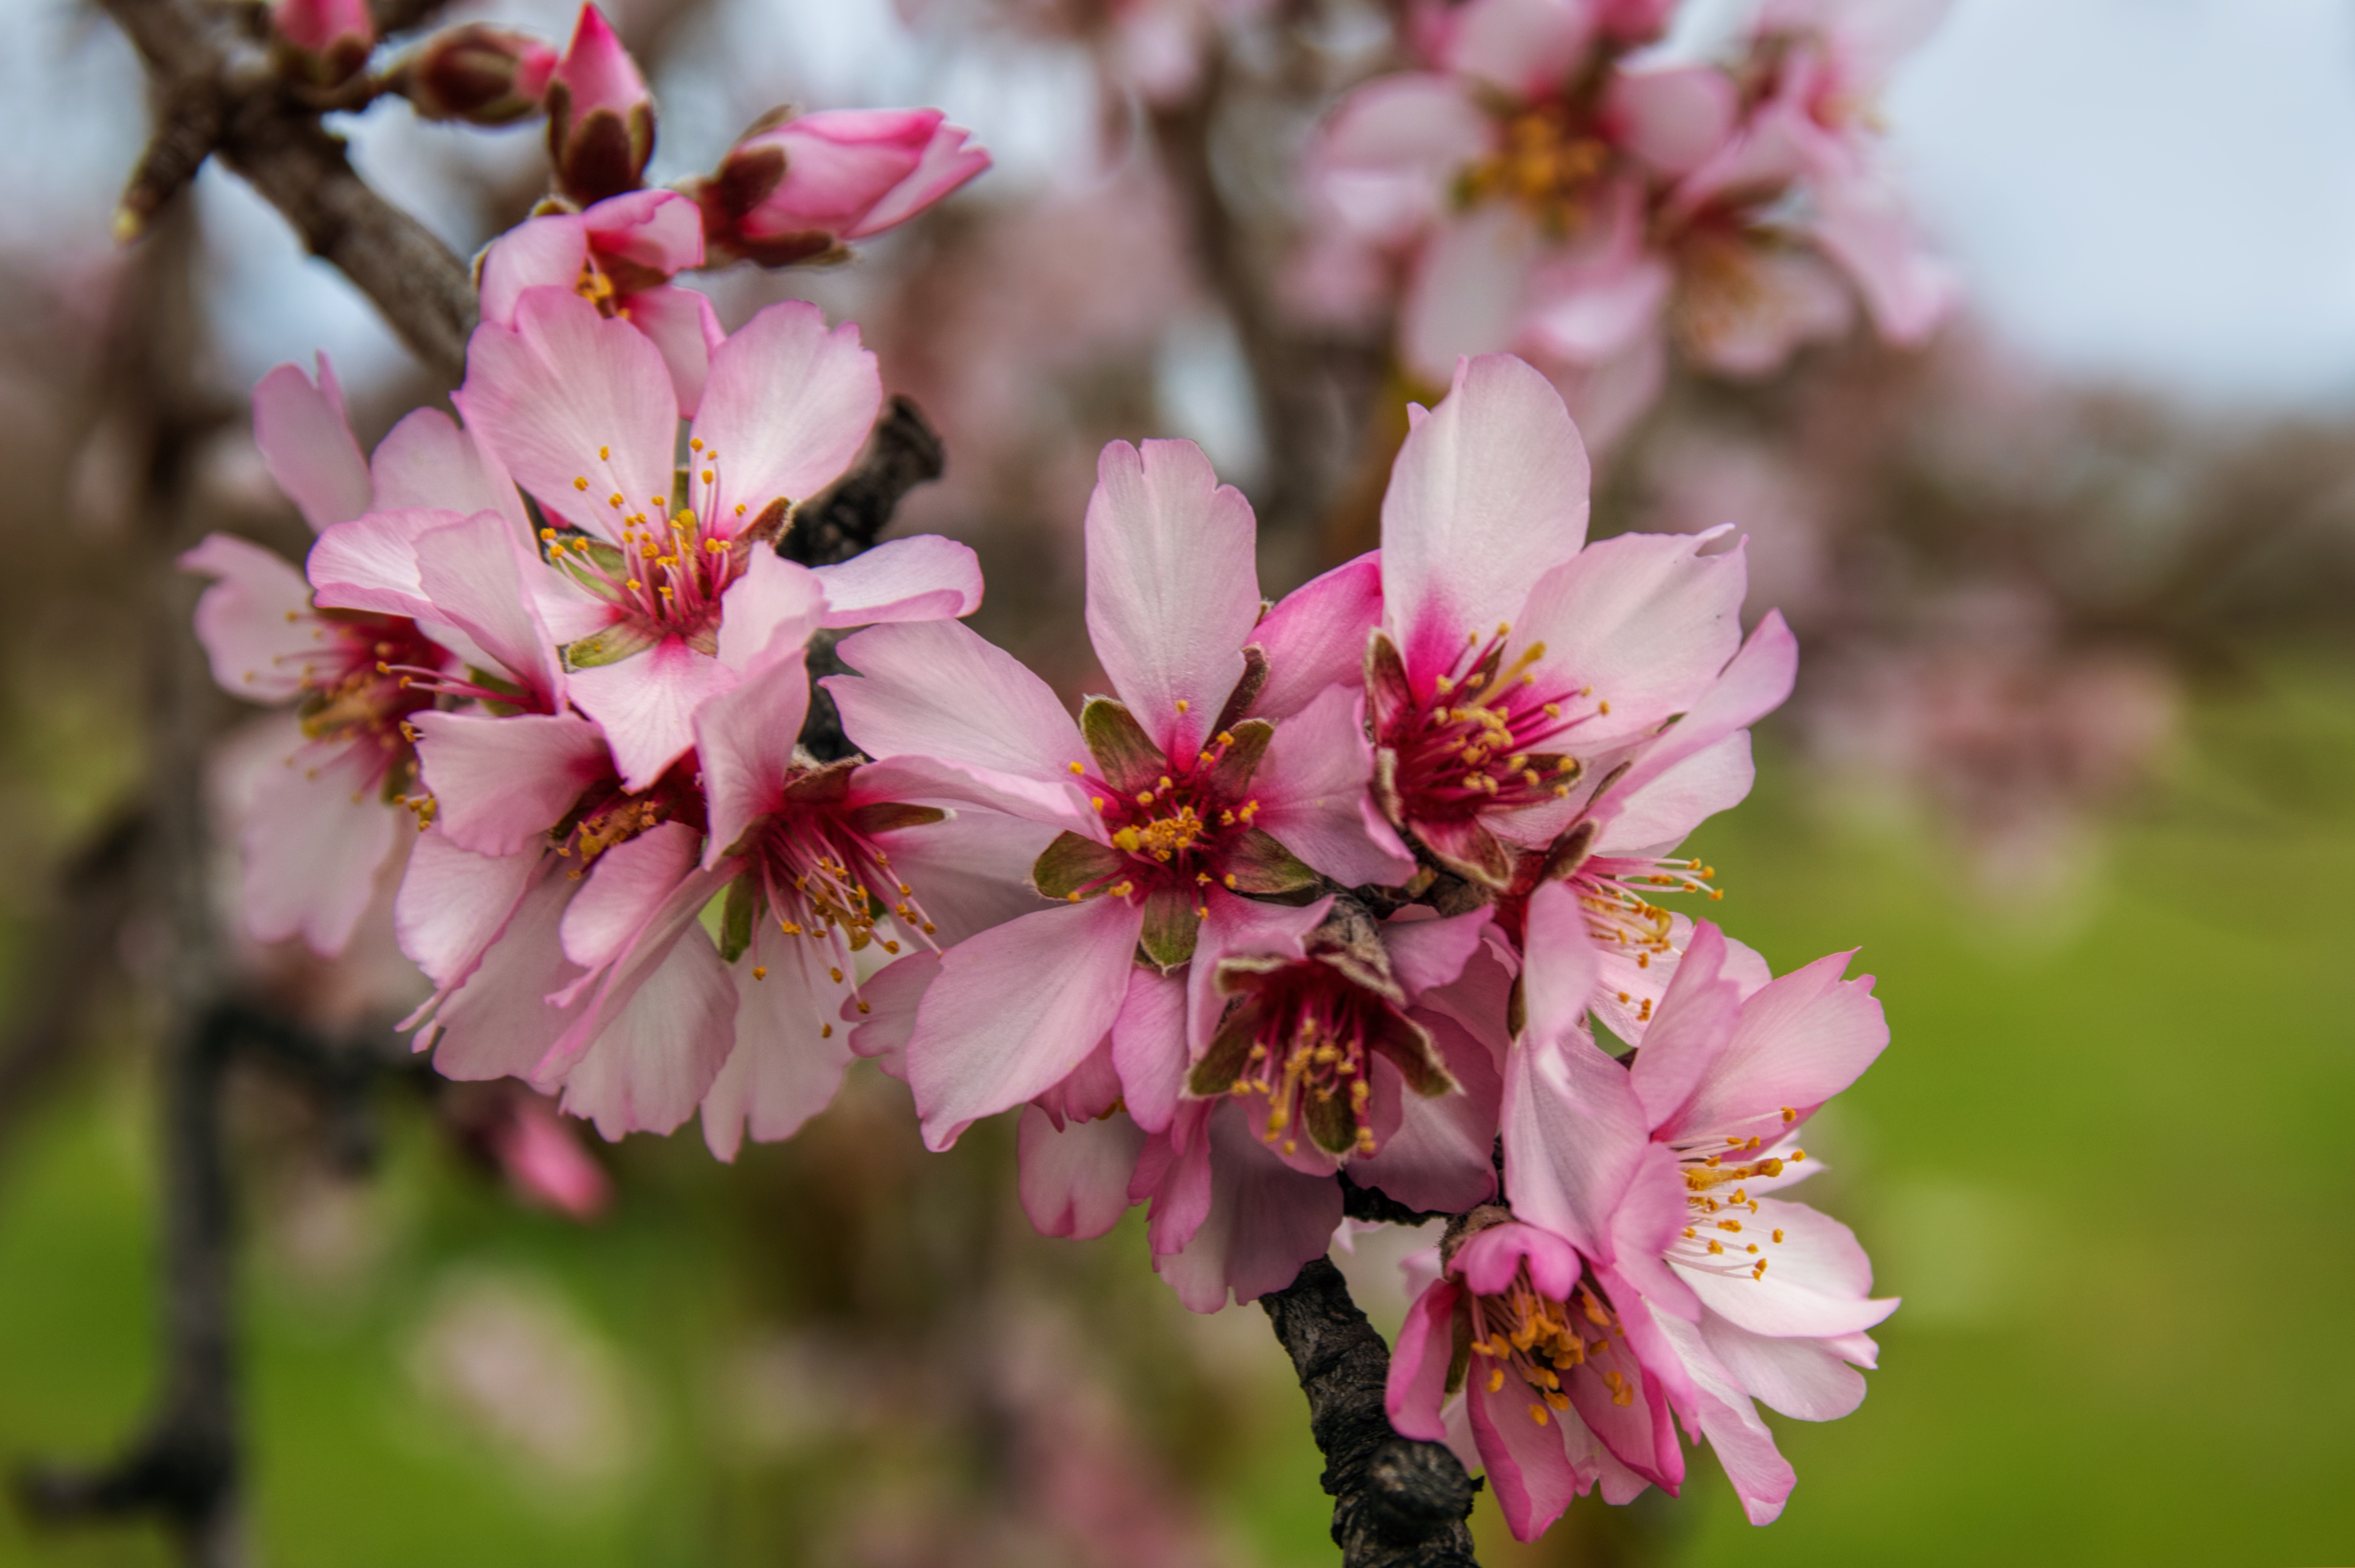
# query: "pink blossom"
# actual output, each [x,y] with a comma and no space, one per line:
[620,255]
[1658,1176]
[544,1162]
[660,609]
[1523,684]
[797,187]
[1172,807]
[325,40]
[601,118]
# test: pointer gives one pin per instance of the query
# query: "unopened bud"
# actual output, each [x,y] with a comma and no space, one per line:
[322,42]
[480,74]
[600,118]
[794,187]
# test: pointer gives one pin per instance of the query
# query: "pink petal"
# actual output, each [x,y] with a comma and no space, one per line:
[307,444]
[1074,1181]
[1311,787]
[1815,1284]
[950,160]
[1469,290]
[1754,684]
[1692,1025]
[1427,952]
[1597,302]
[1265,1221]
[559,387]
[499,785]
[744,743]
[539,252]
[1316,637]
[496,1023]
[839,164]
[656,230]
[1802,1378]
[1440,1157]
[1672,120]
[1781,299]
[970,872]
[1385,160]
[1240,928]
[935,688]
[767,615]
[626,886]
[1527,48]
[787,406]
[1761,1477]
[1866,227]
[474,574]
[646,705]
[1489,493]
[426,462]
[923,578]
[1173,1172]
[1558,980]
[1574,1136]
[255,621]
[1418,1380]
[790,1054]
[1016,1009]
[1646,620]
[454,903]
[597,71]
[685,329]
[370,562]
[1799,1041]
[1149,1048]
[1173,587]
[642,954]
[1529,1467]
[892,995]
[655,1060]
[1662,812]
[313,840]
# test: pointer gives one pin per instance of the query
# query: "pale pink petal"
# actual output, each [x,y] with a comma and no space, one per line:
[892,995]
[370,562]
[685,329]
[744,743]
[545,1164]
[653,230]
[1671,119]
[1865,226]
[1418,1381]
[656,1058]
[1427,950]
[1265,1221]
[1761,159]
[1074,1181]
[1754,684]
[1173,587]
[1311,787]
[1149,1048]
[474,574]
[307,444]
[426,462]
[1173,1173]
[498,784]
[838,163]
[646,703]
[454,903]
[789,1055]
[767,615]
[1558,979]
[1316,637]
[1527,48]
[923,578]
[1761,1477]
[559,389]
[1016,1009]
[1385,160]
[539,252]
[970,872]
[950,160]
[1799,1041]
[1644,1226]
[1529,1467]
[1689,1029]
[255,621]
[1662,812]
[1468,290]
[1805,1378]
[1574,1136]
[625,887]
[1594,312]
[1440,1158]
[787,406]
[1089,1090]
[498,1023]
[1489,493]
[647,951]
[1646,620]
[934,688]
[1815,1286]
[313,839]
[1776,302]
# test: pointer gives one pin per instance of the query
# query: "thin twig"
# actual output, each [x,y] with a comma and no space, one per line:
[1397,1502]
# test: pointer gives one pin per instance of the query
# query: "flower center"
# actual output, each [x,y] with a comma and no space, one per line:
[1722,1235]
[1474,743]
[1543,1341]
[1309,1061]
[606,815]
[1551,164]
[670,568]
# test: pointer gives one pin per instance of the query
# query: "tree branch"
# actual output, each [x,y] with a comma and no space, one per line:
[1397,1502]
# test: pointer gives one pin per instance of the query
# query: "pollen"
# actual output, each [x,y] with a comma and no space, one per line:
[581,483]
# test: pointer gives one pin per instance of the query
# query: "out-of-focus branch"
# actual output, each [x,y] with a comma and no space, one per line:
[1398,1503]
[215,92]
[76,946]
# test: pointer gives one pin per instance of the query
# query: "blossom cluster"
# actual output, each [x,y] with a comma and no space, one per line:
[1549,183]
[1374,888]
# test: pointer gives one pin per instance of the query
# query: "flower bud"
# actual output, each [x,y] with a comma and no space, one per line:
[600,118]
[482,75]
[322,42]
[794,188]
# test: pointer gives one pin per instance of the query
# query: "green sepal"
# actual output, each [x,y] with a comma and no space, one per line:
[1411,1049]
[1171,927]
[736,919]
[1125,756]
[886,817]
[1332,1126]
[1459,1355]
[1230,1049]
[615,642]
[1230,774]
[1254,862]
[1388,693]
[1247,689]
[1072,863]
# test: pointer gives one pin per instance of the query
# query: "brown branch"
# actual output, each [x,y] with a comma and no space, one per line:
[1397,1502]
[215,91]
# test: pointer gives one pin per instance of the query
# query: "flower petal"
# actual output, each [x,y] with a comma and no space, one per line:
[646,705]
[1815,1284]
[1385,160]
[499,785]
[789,1055]
[1149,1048]
[624,889]
[652,1061]
[1316,637]
[313,839]
[307,446]
[787,406]
[454,903]
[1468,290]
[768,614]
[255,621]
[1074,1181]
[1799,1041]
[922,578]
[474,574]
[744,743]
[685,331]
[934,688]
[1265,1221]
[1646,620]
[1419,1360]
[426,462]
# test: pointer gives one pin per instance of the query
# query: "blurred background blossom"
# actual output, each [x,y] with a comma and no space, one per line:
[2069,754]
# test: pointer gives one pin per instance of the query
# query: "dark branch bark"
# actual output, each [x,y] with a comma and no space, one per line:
[215,91]
[1398,1503]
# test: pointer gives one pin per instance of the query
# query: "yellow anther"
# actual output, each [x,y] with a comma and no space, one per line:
[1079,768]
[581,483]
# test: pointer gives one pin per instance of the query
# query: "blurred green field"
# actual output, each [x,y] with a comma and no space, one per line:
[2092,1162]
